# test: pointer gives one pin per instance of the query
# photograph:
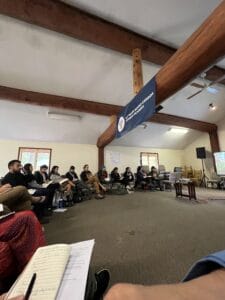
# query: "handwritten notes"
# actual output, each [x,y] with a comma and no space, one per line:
[75,277]
[49,264]
[61,270]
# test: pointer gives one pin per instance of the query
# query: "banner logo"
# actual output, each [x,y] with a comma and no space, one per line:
[121,124]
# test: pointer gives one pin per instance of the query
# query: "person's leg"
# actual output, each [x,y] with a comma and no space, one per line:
[95,183]
[124,182]
[17,199]
[93,180]
[42,208]
[43,192]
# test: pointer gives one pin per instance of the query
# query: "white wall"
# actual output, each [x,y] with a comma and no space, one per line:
[130,156]
[63,155]
[203,141]
[190,158]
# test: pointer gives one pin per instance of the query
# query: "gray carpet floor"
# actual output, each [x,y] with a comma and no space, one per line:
[145,237]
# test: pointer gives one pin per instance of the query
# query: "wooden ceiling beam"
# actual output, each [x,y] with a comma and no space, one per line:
[73,22]
[204,47]
[173,120]
[92,107]
[59,102]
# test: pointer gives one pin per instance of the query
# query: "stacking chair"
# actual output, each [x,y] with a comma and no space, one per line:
[168,184]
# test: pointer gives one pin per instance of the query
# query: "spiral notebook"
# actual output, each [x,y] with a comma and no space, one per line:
[61,270]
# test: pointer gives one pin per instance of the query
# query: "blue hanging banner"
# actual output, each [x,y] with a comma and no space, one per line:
[138,110]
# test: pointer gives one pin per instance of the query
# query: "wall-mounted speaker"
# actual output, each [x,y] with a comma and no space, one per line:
[201,153]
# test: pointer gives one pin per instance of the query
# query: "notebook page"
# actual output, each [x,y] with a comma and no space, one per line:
[49,264]
[74,281]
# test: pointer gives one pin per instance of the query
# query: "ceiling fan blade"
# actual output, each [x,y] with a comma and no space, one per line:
[197,85]
[195,94]
[218,80]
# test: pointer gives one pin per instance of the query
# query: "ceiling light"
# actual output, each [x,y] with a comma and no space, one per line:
[178,130]
[61,116]
[212,90]
[212,106]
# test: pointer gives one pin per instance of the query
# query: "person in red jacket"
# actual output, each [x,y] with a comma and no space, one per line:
[20,235]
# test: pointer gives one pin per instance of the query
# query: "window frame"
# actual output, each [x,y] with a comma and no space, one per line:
[36,148]
[149,153]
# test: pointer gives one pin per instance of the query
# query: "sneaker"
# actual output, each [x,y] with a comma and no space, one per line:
[130,192]
[99,196]
[102,281]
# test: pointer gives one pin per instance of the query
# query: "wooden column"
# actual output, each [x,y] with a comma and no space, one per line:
[201,50]
[101,150]
[101,157]
[137,70]
[214,142]
[137,86]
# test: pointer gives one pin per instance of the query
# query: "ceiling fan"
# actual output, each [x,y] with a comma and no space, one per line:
[206,86]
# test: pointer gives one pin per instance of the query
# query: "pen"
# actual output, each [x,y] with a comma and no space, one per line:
[30,287]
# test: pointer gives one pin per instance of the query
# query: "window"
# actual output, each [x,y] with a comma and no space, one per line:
[35,156]
[149,159]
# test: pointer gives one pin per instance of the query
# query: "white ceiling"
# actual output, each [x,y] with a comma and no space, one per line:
[27,122]
[33,123]
[168,21]
[36,59]
[157,136]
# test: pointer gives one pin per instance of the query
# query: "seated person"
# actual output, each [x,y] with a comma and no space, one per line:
[56,178]
[40,190]
[83,174]
[153,172]
[54,174]
[30,178]
[156,182]
[15,178]
[42,178]
[72,175]
[103,175]
[141,178]
[42,175]
[20,235]
[128,175]
[87,177]
[115,177]
[78,185]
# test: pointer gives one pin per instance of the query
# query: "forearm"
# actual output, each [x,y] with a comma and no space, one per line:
[208,287]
